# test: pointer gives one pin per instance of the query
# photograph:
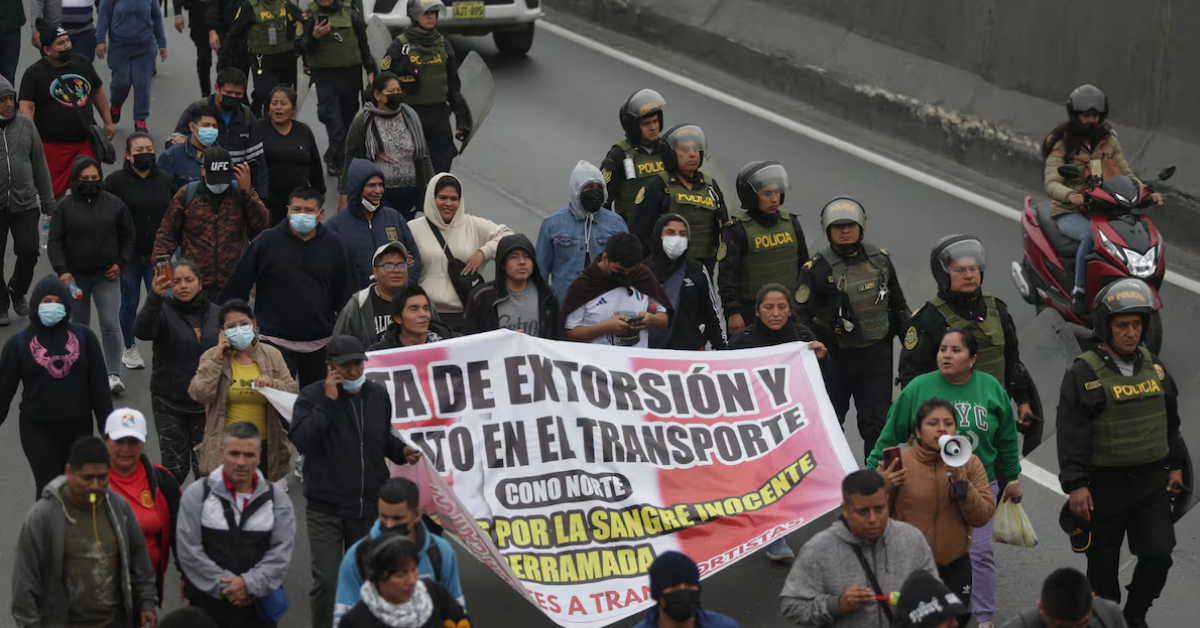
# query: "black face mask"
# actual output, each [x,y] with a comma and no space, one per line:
[143,161]
[591,200]
[681,604]
[87,189]
[393,101]
[229,103]
[403,529]
[65,55]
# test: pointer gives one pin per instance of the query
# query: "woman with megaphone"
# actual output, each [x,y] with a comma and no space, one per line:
[941,488]
[985,418]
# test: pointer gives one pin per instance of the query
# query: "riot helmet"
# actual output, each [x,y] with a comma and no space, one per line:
[956,253]
[643,103]
[681,135]
[756,177]
[416,8]
[1127,296]
[1087,99]
[843,210]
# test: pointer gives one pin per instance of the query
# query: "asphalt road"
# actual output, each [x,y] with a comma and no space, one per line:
[559,106]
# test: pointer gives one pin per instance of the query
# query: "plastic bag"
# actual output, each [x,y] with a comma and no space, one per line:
[1011,526]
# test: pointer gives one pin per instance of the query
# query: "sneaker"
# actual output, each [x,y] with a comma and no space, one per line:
[1079,305]
[114,385]
[20,306]
[115,112]
[779,551]
[132,359]
[333,170]
[140,126]
[299,467]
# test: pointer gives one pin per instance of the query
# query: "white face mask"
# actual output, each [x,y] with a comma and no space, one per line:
[674,246]
[369,206]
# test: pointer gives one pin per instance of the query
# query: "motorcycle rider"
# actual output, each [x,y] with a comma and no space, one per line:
[681,188]
[763,244]
[631,162]
[957,262]
[1084,137]
[1119,447]
[851,298]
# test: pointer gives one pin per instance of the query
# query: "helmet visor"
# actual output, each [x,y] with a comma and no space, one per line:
[770,180]
[1087,100]
[644,103]
[1129,296]
[688,138]
[963,257]
[429,6]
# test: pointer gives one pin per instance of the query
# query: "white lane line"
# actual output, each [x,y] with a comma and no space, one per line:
[868,155]
[1041,476]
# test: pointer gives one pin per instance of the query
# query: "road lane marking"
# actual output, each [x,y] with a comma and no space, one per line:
[1041,476]
[868,155]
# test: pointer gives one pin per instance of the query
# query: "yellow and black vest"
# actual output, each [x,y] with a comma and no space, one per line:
[861,284]
[645,166]
[1132,430]
[339,48]
[433,84]
[702,211]
[268,16]
[771,255]
[989,333]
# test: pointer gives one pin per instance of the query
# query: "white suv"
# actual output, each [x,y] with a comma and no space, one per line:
[509,21]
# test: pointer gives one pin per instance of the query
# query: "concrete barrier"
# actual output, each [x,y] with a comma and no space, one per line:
[982,81]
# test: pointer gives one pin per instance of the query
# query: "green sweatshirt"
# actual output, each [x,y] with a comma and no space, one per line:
[985,417]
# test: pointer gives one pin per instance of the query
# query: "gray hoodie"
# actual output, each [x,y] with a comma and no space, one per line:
[24,178]
[1105,614]
[39,597]
[827,565]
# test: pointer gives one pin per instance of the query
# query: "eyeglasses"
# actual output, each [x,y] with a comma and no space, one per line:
[389,266]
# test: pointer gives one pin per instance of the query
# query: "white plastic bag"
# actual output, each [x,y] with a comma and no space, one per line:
[1011,526]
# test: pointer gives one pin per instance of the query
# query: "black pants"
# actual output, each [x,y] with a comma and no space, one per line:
[866,375]
[24,228]
[223,612]
[306,368]
[435,120]
[204,57]
[179,431]
[957,577]
[1132,501]
[339,93]
[47,445]
[269,71]
[409,202]
[329,536]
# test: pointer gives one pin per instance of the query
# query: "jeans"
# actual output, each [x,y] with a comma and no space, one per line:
[1077,227]
[134,273]
[983,568]
[85,43]
[108,307]
[24,227]
[10,53]
[329,536]
[132,64]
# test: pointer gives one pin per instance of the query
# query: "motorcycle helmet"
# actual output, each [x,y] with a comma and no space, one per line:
[951,248]
[757,176]
[680,135]
[1127,296]
[843,210]
[417,8]
[643,103]
[1087,99]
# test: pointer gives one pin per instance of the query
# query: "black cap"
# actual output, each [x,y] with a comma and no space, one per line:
[48,32]
[218,166]
[1078,528]
[925,601]
[343,349]
[670,569]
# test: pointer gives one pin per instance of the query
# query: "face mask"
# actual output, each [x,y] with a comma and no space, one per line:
[682,604]
[674,246]
[51,313]
[207,136]
[240,338]
[229,103]
[352,385]
[393,101]
[65,56]
[143,161]
[303,223]
[87,189]
[8,117]
[369,206]
[403,529]
[217,188]
[591,200]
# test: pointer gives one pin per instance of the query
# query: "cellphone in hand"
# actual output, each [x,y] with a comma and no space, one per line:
[890,454]
[634,319]
[322,17]
[164,262]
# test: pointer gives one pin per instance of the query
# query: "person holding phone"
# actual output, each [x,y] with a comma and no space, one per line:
[617,299]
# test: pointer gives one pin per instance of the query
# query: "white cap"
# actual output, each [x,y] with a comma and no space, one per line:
[125,422]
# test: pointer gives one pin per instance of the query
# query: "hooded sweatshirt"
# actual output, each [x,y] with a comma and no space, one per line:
[689,286]
[364,232]
[147,200]
[130,23]
[61,368]
[24,177]
[571,238]
[89,236]
[483,312]
[827,564]
[464,235]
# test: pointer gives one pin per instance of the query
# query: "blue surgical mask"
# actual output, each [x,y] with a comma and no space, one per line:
[207,136]
[51,314]
[240,338]
[352,385]
[303,223]
[217,188]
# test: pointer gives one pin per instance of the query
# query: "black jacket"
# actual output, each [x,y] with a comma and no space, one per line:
[86,237]
[146,199]
[344,444]
[822,299]
[446,611]
[1078,407]
[729,273]
[482,314]
[391,338]
[759,335]
[695,321]
[172,327]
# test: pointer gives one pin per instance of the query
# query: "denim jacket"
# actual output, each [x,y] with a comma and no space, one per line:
[562,251]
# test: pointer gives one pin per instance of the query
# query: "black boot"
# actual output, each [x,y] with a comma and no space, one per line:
[1079,305]
[20,306]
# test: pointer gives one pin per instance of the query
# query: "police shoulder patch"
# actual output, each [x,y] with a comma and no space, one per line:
[1159,369]
[385,63]
[607,175]
[910,338]
[808,265]
[299,29]
[641,196]
[1092,385]
[884,251]
[802,293]
[722,250]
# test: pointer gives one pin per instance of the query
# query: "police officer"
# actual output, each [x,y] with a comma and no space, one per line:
[681,188]
[631,162]
[762,244]
[424,61]
[849,295]
[1119,448]
[335,45]
[266,30]
[957,262]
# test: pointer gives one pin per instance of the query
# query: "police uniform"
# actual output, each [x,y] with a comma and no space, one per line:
[757,249]
[703,207]
[861,289]
[337,61]
[622,191]
[266,30]
[429,80]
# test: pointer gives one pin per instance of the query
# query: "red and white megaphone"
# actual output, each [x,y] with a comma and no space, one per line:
[956,450]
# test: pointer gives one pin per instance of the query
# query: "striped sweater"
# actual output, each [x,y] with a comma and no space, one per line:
[76,16]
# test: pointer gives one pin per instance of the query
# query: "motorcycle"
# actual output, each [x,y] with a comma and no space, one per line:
[1127,245]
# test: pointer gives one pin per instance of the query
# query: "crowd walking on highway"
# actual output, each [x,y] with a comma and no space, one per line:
[253,282]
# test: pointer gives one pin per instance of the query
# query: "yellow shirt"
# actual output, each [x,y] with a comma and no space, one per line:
[245,403]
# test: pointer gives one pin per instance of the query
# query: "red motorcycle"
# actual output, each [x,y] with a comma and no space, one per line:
[1127,245]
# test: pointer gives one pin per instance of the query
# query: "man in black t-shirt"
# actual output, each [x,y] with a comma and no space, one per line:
[56,92]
